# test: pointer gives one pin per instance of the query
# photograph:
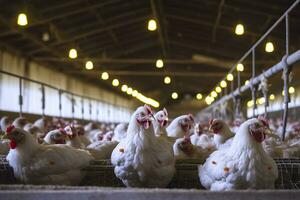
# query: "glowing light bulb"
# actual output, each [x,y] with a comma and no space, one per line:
[246,82]
[229,77]
[124,88]
[240,67]
[73,53]
[218,89]
[174,95]
[89,65]
[159,63]
[223,84]
[272,97]
[214,94]
[199,96]
[115,82]
[239,29]
[152,25]
[291,90]
[135,93]
[269,47]
[22,19]
[129,91]
[261,100]
[105,76]
[167,80]
[250,104]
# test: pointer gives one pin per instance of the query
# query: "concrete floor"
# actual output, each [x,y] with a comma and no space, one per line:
[9,192]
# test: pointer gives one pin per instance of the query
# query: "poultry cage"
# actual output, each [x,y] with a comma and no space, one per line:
[101,173]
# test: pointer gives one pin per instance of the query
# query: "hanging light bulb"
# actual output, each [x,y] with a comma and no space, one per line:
[240,67]
[115,82]
[152,25]
[135,93]
[272,97]
[214,94]
[89,65]
[159,63]
[124,88]
[239,29]
[45,37]
[174,95]
[250,103]
[72,53]
[269,47]
[218,89]
[22,19]
[167,80]
[229,77]
[199,96]
[291,90]
[223,84]
[261,100]
[129,91]
[104,76]
[246,82]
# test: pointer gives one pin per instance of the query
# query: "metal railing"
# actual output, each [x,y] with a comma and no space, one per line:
[284,65]
[60,92]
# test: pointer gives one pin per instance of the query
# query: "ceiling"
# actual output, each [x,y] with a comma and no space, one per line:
[195,39]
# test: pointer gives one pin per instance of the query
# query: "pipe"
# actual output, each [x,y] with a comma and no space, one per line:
[290,60]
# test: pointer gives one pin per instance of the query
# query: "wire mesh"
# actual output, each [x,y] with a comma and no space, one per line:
[101,173]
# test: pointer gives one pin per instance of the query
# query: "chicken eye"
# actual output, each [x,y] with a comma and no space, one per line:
[161,115]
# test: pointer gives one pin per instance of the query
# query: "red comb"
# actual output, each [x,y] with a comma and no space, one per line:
[211,121]
[10,128]
[263,120]
[191,117]
[148,108]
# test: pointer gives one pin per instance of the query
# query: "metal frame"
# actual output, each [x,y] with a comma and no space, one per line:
[60,92]
[284,65]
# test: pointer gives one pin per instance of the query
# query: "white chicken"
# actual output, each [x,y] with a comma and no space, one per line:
[20,122]
[102,149]
[243,165]
[202,139]
[142,159]
[160,122]
[58,136]
[120,132]
[73,138]
[81,134]
[184,149]
[108,136]
[4,123]
[43,124]
[35,132]
[4,144]
[180,126]
[222,133]
[44,164]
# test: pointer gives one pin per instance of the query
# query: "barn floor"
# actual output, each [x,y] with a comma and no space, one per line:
[11,192]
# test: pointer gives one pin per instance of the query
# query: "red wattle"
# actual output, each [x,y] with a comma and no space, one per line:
[12,144]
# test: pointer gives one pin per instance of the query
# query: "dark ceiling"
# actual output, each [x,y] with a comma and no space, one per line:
[195,38]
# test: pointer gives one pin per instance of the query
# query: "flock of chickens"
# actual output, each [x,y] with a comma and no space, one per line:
[144,151]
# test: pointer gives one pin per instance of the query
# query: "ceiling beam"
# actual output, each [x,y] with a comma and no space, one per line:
[153,73]
[206,23]
[92,32]
[60,16]
[155,12]
[133,61]
[217,22]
